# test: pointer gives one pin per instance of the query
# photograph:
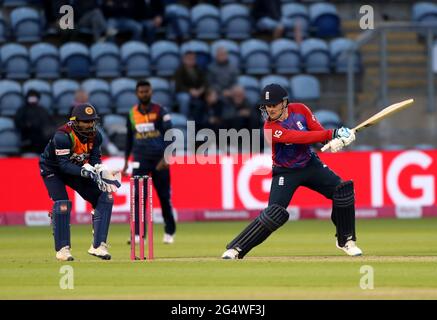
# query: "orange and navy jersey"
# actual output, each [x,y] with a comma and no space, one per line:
[146,130]
[291,138]
[66,153]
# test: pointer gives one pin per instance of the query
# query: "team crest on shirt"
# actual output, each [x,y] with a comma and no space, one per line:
[299,125]
[277,134]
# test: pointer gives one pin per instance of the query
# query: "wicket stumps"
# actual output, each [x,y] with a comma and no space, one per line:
[141,208]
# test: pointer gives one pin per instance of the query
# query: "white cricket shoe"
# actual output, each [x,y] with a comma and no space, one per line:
[168,238]
[230,254]
[100,252]
[350,248]
[64,254]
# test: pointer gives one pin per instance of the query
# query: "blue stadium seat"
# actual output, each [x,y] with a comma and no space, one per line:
[45,61]
[328,118]
[105,57]
[75,59]
[255,55]
[281,80]
[165,57]
[424,12]
[325,20]
[252,87]
[11,97]
[15,60]
[63,91]
[3,28]
[183,16]
[233,50]
[298,13]
[205,21]
[336,48]
[162,92]
[114,124]
[305,87]
[123,94]
[99,94]
[6,124]
[286,56]
[14,3]
[9,142]
[136,59]
[202,50]
[45,90]
[26,24]
[236,21]
[315,55]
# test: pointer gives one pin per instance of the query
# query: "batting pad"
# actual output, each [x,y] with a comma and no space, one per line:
[102,218]
[61,223]
[259,229]
[343,212]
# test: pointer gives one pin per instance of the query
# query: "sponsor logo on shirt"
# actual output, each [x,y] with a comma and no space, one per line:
[145,127]
[62,152]
[167,117]
[299,125]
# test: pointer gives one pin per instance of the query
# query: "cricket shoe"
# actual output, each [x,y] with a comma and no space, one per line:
[230,254]
[64,254]
[350,248]
[100,252]
[168,238]
[137,240]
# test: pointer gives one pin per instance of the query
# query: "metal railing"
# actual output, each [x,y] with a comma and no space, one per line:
[381,31]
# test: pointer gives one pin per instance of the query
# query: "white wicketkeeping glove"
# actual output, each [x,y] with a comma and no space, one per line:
[110,181]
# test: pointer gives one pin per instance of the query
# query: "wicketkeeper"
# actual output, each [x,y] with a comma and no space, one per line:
[72,158]
[292,128]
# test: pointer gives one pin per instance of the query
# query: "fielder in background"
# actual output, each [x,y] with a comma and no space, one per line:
[72,158]
[146,125]
[293,129]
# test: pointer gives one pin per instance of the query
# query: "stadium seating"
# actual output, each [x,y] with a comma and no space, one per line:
[162,92]
[14,3]
[315,55]
[63,91]
[336,49]
[45,61]
[26,24]
[252,87]
[99,94]
[255,55]
[3,28]
[182,14]
[165,57]
[123,94]
[106,59]
[328,118]
[11,97]
[205,21]
[232,47]
[135,56]
[281,80]
[15,60]
[325,20]
[114,124]
[45,90]
[298,13]
[6,124]
[286,56]
[9,142]
[424,12]
[305,87]
[75,59]
[202,50]
[236,21]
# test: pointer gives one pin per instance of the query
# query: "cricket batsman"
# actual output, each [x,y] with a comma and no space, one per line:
[72,158]
[293,129]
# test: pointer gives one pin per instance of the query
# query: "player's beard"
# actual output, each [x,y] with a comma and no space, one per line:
[145,101]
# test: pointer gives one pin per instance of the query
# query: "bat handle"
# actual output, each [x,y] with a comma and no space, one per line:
[325,147]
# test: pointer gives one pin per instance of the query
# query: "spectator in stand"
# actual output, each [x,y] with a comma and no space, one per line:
[239,114]
[90,17]
[81,97]
[190,83]
[125,16]
[153,18]
[268,17]
[34,123]
[222,75]
[208,113]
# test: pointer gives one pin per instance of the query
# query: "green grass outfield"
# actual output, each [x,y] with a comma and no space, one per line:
[299,261]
